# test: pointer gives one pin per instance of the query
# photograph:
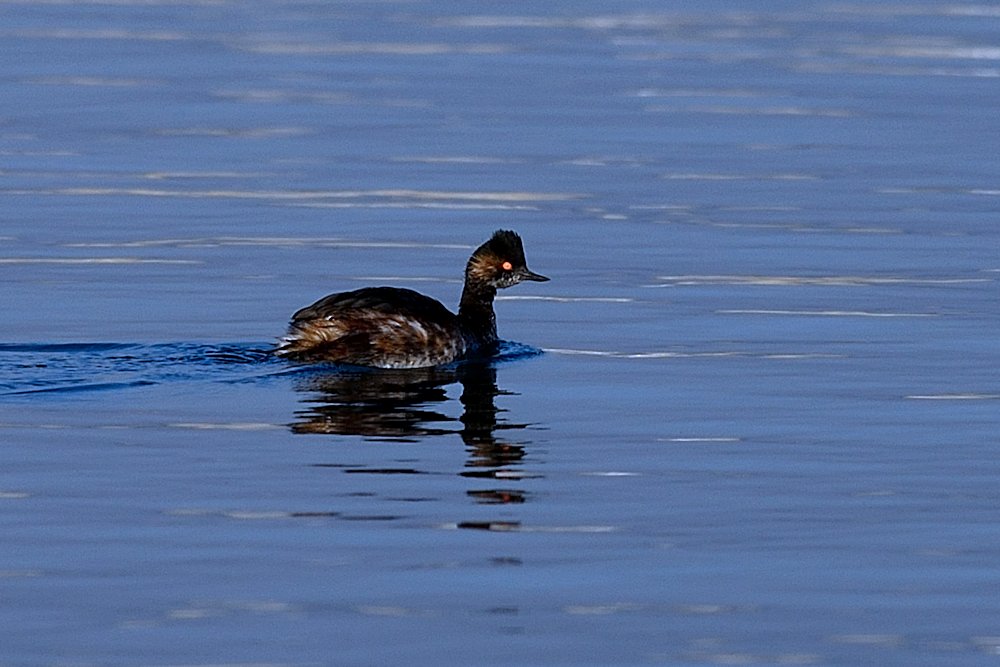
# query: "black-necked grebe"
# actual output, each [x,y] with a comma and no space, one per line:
[392,327]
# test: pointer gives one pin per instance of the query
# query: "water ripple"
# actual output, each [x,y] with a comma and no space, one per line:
[823,281]
[64,368]
[60,368]
[819,313]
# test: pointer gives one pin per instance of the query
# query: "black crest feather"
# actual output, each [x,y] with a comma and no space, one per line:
[504,243]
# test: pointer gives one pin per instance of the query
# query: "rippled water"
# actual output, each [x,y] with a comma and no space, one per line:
[762,428]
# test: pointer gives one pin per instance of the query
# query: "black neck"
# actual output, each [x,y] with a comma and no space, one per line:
[475,312]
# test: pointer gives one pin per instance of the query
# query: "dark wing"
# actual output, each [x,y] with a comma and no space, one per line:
[386,327]
[385,300]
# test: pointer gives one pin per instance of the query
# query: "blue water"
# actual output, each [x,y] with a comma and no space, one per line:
[762,425]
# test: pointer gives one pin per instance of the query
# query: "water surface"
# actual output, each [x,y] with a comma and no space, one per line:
[763,428]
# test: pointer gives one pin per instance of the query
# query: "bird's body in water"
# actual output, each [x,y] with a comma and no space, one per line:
[392,327]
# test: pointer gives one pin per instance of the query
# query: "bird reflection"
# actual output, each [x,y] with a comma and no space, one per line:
[407,405]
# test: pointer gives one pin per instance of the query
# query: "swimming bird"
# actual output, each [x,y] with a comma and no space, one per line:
[394,327]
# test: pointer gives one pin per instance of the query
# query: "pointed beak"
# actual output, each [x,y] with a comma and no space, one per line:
[531,275]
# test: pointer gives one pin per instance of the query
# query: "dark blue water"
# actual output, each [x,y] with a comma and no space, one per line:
[763,425]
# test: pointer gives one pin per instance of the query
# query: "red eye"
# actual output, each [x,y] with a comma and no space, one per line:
[506,266]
